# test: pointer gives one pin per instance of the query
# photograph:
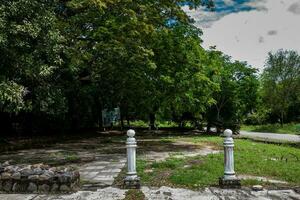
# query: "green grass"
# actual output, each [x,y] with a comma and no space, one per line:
[134,195]
[280,162]
[273,128]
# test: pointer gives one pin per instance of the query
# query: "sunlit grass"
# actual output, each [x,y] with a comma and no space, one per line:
[291,128]
[280,162]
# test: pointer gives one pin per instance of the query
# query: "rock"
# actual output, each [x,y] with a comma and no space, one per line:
[26,172]
[38,171]
[5,164]
[32,187]
[76,174]
[39,165]
[16,176]
[54,187]
[5,176]
[49,173]
[64,178]
[18,187]
[7,186]
[167,193]
[44,188]
[64,188]
[33,177]
[257,188]
[44,177]
[67,169]
[148,170]
[9,169]
[1,169]
[53,169]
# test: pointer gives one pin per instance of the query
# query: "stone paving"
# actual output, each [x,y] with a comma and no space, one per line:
[271,136]
[166,193]
[102,172]
[100,162]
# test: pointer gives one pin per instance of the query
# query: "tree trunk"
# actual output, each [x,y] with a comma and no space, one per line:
[218,114]
[6,126]
[152,121]
[281,119]
[122,119]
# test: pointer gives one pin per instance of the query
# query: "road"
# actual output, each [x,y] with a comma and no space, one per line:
[271,136]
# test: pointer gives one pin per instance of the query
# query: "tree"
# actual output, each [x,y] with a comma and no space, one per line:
[238,90]
[281,82]
[120,47]
[30,54]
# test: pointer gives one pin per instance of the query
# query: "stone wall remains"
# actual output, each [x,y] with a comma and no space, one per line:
[37,178]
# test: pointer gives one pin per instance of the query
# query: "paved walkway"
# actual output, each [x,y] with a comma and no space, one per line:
[271,136]
[165,193]
[102,172]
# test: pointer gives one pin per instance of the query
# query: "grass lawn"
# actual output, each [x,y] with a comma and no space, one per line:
[273,128]
[280,162]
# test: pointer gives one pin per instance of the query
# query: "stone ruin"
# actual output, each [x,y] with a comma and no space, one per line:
[38,178]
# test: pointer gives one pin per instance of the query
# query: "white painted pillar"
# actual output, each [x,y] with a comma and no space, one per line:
[131,156]
[229,173]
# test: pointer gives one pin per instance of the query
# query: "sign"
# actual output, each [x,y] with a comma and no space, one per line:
[109,117]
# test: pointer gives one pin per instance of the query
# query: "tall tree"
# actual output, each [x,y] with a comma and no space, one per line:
[30,54]
[238,90]
[281,82]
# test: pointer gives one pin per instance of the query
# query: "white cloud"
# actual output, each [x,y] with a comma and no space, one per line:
[249,36]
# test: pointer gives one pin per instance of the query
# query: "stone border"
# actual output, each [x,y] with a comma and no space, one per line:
[37,178]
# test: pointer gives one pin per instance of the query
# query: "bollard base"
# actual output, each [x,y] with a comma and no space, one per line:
[234,183]
[132,183]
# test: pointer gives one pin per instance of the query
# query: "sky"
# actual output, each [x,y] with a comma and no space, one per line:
[247,30]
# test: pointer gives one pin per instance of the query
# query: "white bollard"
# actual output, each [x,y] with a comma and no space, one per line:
[131,180]
[229,180]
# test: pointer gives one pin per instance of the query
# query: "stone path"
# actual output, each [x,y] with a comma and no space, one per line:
[262,179]
[102,172]
[271,136]
[166,193]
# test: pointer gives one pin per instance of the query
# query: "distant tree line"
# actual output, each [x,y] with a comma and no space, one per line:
[63,61]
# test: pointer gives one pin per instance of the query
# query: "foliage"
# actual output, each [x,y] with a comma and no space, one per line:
[133,194]
[237,95]
[274,128]
[63,62]
[281,82]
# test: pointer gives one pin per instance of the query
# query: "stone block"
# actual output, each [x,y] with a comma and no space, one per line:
[132,183]
[19,187]
[38,179]
[55,188]
[44,188]
[229,184]
[32,188]
[7,186]
[64,188]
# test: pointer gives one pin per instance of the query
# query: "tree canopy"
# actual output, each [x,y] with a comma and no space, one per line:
[64,61]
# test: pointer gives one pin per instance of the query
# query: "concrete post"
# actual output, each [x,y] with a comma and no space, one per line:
[131,180]
[229,180]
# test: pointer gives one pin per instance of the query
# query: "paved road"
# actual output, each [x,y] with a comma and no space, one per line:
[271,136]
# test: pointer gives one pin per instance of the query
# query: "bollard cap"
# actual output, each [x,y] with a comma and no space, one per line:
[130,133]
[228,133]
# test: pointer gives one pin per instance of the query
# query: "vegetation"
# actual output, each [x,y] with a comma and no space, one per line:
[281,84]
[274,128]
[134,195]
[251,158]
[63,62]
